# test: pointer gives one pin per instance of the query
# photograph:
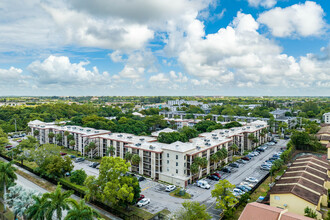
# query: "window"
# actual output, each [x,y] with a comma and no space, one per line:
[177,157]
[184,157]
[168,169]
[184,171]
[168,155]
[168,161]
[177,164]
[176,171]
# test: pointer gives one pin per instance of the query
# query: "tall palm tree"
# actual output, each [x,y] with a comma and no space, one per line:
[51,135]
[7,177]
[234,147]
[72,143]
[59,138]
[111,150]
[90,147]
[57,201]
[38,210]
[135,159]
[80,211]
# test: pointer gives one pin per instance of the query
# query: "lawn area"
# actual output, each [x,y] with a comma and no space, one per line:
[9,215]
[70,151]
[42,183]
[176,192]
[260,191]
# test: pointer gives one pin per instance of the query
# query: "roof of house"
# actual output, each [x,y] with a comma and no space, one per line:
[258,211]
[324,130]
[305,179]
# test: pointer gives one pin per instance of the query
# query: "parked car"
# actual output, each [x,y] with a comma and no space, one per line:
[238,191]
[67,174]
[251,179]
[141,197]
[143,202]
[240,161]
[213,177]
[265,167]
[260,150]
[141,178]
[72,156]
[63,153]
[241,187]
[246,158]
[246,187]
[271,143]
[235,165]
[247,184]
[216,174]
[226,170]
[80,159]
[19,140]
[94,164]
[9,146]
[203,184]
[170,188]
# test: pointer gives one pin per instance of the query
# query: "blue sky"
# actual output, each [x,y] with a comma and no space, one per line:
[174,47]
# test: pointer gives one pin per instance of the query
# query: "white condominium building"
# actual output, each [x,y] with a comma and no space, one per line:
[326,118]
[167,162]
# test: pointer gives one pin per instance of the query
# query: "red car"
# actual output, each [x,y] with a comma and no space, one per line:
[62,153]
[19,140]
[216,174]
[246,158]
[9,146]
[141,197]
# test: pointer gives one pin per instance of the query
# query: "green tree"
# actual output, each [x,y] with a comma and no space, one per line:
[194,168]
[40,154]
[192,211]
[51,135]
[202,163]
[78,177]
[90,147]
[128,156]
[80,211]
[56,202]
[36,133]
[234,147]
[111,151]
[7,177]
[225,199]
[135,159]
[59,138]
[72,143]
[30,142]
[55,166]
[38,210]
[93,190]
[310,213]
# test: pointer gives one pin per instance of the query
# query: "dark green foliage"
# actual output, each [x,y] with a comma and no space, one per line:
[232,124]
[183,135]
[78,177]
[303,141]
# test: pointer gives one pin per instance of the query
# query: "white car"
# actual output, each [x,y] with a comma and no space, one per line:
[247,184]
[143,202]
[271,143]
[251,179]
[238,191]
[170,188]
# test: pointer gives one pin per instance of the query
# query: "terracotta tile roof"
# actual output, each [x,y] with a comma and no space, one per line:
[296,190]
[305,179]
[324,130]
[306,175]
[258,211]
[293,216]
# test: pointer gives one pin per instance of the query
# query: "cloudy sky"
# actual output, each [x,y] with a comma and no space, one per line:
[158,47]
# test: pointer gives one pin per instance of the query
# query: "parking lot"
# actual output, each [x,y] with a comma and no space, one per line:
[160,199]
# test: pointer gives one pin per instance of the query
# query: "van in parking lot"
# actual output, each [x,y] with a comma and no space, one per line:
[203,184]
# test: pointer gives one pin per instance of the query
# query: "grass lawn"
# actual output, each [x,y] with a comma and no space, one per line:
[175,193]
[42,183]
[9,215]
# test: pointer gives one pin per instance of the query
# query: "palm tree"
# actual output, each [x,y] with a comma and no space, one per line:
[111,150]
[90,147]
[234,147]
[194,168]
[36,132]
[38,210]
[7,177]
[80,211]
[128,156]
[51,135]
[59,138]
[57,201]
[72,143]
[135,159]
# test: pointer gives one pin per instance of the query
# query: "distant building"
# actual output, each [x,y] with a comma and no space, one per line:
[252,106]
[326,118]
[279,113]
[323,135]
[304,184]
[258,211]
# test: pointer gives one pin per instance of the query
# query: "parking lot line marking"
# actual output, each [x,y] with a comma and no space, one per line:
[211,205]
[145,188]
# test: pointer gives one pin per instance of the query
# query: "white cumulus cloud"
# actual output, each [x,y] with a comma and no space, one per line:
[297,20]
[263,3]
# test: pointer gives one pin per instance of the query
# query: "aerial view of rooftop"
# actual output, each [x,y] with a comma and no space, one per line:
[164,110]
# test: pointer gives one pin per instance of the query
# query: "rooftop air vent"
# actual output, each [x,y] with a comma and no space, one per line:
[96,132]
[198,147]
[214,135]
[141,139]
[138,144]
[119,135]
[151,147]
[129,137]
